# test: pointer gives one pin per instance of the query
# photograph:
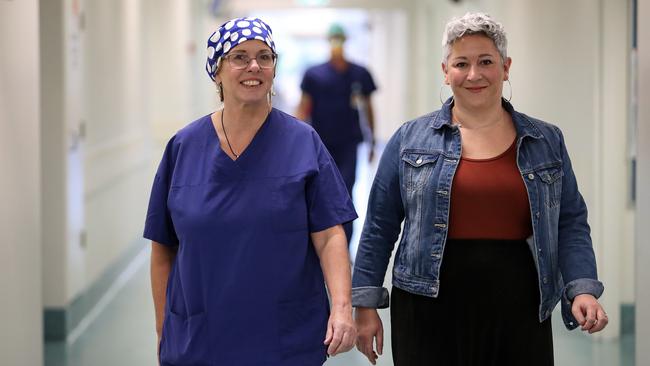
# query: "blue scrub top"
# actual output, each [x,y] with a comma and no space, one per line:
[334,115]
[246,287]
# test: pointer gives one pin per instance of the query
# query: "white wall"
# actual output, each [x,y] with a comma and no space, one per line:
[167,58]
[390,102]
[63,106]
[117,156]
[615,241]
[137,73]
[52,152]
[115,86]
[20,224]
[427,21]
[643,199]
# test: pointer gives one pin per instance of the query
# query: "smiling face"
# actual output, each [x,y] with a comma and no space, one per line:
[475,71]
[251,84]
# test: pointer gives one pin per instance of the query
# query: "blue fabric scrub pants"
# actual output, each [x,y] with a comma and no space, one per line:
[345,157]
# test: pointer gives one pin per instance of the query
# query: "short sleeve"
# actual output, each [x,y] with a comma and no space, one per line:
[307,83]
[367,83]
[159,226]
[328,200]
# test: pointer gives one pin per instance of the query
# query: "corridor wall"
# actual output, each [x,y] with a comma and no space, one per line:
[643,205]
[20,184]
[115,85]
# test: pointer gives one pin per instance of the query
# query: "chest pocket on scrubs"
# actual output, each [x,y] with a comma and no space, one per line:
[417,169]
[289,206]
[550,184]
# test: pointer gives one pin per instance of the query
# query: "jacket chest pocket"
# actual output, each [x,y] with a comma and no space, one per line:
[550,184]
[417,169]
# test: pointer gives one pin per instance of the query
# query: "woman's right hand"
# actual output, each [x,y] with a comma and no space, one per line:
[369,328]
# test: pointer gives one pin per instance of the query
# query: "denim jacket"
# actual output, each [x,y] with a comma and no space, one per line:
[413,184]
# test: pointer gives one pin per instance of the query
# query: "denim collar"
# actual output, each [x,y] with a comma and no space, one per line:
[523,124]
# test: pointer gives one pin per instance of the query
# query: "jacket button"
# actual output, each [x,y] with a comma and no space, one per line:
[545,280]
[571,323]
[531,176]
[419,160]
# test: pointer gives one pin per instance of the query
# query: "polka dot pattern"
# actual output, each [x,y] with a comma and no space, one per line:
[232,33]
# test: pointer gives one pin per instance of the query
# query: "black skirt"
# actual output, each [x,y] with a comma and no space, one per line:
[486,312]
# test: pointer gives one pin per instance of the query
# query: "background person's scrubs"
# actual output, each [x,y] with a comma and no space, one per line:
[335,114]
[246,287]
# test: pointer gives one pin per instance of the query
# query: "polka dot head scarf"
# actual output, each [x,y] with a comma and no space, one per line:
[232,33]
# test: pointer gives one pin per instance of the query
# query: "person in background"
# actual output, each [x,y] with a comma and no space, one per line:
[336,101]
[495,229]
[245,221]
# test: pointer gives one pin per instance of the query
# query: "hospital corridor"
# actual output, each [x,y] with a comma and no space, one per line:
[93,94]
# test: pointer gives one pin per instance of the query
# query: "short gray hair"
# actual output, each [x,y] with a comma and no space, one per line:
[474,23]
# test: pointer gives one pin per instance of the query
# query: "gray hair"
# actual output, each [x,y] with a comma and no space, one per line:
[474,23]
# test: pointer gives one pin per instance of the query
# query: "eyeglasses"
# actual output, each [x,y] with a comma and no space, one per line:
[240,61]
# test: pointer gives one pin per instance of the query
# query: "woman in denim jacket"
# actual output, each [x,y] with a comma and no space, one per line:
[493,190]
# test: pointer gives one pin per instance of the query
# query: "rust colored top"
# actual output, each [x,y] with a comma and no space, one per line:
[489,199]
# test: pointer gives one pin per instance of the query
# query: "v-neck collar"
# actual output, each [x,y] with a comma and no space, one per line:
[249,150]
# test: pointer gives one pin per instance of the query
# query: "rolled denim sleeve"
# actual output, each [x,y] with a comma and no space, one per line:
[370,297]
[380,231]
[583,286]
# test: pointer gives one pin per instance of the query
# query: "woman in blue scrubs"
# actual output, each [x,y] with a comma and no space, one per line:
[245,220]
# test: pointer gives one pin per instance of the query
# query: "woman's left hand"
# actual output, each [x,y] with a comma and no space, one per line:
[589,313]
[341,332]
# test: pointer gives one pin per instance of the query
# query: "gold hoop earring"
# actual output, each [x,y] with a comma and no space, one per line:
[449,100]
